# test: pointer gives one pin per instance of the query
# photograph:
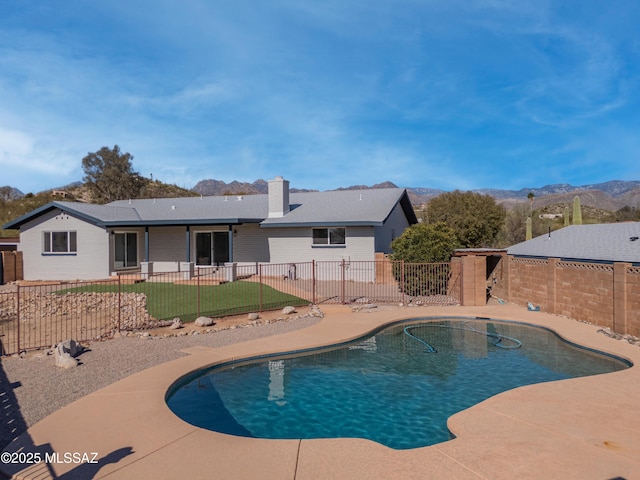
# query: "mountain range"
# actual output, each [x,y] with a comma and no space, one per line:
[611,195]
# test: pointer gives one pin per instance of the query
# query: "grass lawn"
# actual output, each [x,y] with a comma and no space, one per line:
[166,300]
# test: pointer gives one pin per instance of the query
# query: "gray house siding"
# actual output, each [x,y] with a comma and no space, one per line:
[251,244]
[296,245]
[90,261]
[392,228]
[167,248]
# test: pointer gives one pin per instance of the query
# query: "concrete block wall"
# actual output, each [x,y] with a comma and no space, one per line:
[473,289]
[602,294]
[527,282]
[632,310]
[584,291]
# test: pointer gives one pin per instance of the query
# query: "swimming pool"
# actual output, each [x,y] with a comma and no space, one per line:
[397,387]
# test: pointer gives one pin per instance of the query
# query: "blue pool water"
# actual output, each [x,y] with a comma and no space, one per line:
[397,387]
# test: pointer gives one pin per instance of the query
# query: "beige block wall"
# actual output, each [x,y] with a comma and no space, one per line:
[602,294]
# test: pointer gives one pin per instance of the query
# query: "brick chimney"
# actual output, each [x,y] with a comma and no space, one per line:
[278,197]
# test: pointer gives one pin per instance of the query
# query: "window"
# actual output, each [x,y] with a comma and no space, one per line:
[60,242]
[126,249]
[329,236]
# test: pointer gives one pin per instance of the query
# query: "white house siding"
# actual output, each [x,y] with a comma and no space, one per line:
[91,261]
[392,229]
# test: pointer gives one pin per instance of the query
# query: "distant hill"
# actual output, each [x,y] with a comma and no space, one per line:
[218,187]
[10,193]
[610,196]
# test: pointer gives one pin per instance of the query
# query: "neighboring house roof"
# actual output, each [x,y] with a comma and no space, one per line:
[341,208]
[608,242]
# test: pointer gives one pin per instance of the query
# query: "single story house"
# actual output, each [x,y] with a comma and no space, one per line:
[600,243]
[71,240]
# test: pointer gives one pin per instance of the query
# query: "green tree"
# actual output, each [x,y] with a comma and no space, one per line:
[109,175]
[420,247]
[476,219]
[423,242]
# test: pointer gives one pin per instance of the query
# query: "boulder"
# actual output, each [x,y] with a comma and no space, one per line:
[176,324]
[253,316]
[288,310]
[71,347]
[203,322]
[63,356]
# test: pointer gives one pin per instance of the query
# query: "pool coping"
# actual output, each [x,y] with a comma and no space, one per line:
[580,428]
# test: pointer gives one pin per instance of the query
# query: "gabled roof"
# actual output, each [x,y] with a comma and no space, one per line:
[343,207]
[608,242]
[339,208]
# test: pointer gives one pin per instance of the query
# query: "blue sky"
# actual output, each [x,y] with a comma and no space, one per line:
[455,94]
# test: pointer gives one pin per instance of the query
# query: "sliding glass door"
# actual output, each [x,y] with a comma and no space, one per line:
[212,248]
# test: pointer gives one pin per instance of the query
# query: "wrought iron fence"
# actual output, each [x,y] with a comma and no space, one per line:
[36,316]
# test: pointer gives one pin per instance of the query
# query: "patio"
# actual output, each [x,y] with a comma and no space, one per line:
[585,428]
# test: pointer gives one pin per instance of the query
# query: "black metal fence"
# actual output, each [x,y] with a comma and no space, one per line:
[40,315]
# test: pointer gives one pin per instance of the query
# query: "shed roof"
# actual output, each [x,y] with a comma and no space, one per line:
[608,242]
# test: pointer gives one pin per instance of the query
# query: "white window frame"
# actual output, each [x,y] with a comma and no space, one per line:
[52,247]
[335,237]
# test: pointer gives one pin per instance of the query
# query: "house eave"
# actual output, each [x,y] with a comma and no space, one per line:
[321,224]
[179,223]
[18,222]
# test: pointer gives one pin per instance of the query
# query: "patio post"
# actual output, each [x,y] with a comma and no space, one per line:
[146,243]
[188,240]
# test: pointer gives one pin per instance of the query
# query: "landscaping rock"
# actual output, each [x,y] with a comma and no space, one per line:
[253,316]
[364,308]
[288,310]
[203,322]
[176,324]
[62,355]
[71,347]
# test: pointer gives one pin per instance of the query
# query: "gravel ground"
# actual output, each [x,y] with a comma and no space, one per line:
[32,387]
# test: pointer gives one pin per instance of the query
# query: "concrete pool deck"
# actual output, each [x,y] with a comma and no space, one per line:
[584,428]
